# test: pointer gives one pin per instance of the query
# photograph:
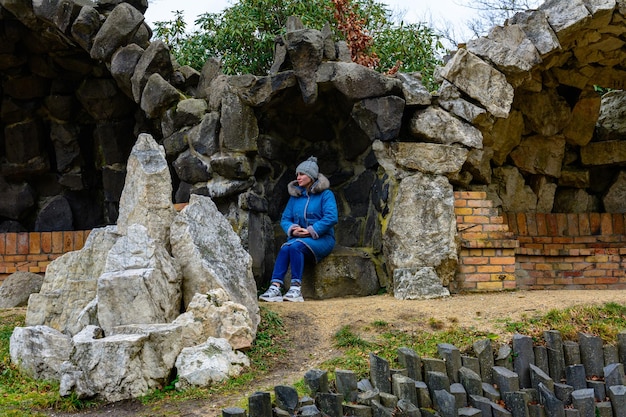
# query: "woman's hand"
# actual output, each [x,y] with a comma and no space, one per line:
[301,232]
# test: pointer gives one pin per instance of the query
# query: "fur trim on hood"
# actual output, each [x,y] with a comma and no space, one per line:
[320,185]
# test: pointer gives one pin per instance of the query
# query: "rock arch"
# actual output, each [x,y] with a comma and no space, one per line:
[515,116]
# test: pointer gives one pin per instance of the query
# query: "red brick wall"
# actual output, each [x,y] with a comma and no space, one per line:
[33,251]
[487,247]
[570,250]
[549,251]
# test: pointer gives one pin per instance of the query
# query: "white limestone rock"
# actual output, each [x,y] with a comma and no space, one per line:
[147,195]
[422,230]
[40,351]
[67,300]
[211,256]
[439,126]
[122,365]
[214,315]
[209,363]
[481,81]
[141,282]
[417,284]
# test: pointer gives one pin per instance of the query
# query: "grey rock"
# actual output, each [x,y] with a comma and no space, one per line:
[239,129]
[470,381]
[523,358]
[17,288]
[591,354]
[317,381]
[417,284]
[55,215]
[158,95]
[506,380]
[213,315]
[123,64]
[357,82]
[380,373]
[154,60]
[483,349]
[411,362]
[210,363]
[536,27]
[477,79]
[286,398]
[433,222]
[614,198]
[584,401]
[200,238]
[538,376]
[413,91]
[430,158]
[345,272]
[379,118]
[346,384]
[437,125]
[610,124]
[40,351]
[508,48]
[116,31]
[617,395]
[403,387]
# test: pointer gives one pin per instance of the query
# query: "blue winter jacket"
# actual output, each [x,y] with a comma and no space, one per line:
[315,211]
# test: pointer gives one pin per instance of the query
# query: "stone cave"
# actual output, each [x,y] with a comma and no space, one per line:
[518,116]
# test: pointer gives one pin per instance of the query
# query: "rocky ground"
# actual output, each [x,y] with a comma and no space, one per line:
[312,324]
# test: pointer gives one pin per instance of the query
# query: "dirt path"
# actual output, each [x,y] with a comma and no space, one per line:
[312,325]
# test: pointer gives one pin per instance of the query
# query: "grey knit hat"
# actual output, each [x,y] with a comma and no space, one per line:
[309,167]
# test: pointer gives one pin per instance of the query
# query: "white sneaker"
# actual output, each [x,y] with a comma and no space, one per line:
[272,295]
[294,294]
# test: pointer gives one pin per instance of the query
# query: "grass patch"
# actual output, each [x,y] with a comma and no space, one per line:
[603,321]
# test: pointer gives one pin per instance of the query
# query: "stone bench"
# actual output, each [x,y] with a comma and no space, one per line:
[345,272]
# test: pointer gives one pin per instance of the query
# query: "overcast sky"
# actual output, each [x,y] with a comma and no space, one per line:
[433,12]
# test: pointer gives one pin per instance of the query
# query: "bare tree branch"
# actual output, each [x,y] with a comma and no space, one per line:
[495,12]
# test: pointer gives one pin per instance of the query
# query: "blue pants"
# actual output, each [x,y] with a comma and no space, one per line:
[294,254]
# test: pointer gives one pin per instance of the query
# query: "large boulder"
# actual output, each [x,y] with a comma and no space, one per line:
[40,351]
[127,364]
[481,81]
[67,301]
[140,283]
[422,229]
[211,256]
[345,272]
